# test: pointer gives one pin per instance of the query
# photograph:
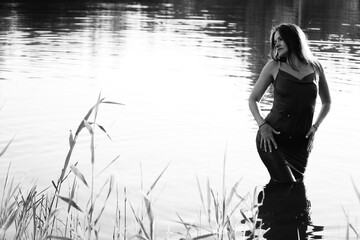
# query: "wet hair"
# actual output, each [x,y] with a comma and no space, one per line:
[297,43]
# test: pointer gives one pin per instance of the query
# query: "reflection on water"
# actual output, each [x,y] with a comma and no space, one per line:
[184,70]
[285,212]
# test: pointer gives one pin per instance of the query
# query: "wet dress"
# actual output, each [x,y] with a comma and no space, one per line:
[292,115]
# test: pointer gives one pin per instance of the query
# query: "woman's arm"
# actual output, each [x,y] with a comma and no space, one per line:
[261,85]
[266,78]
[325,97]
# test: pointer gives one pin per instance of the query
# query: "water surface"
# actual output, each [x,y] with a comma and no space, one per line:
[184,70]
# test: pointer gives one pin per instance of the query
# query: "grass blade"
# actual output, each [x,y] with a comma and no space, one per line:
[108,166]
[102,129]
[10,219]
[201,195]
[143,229]
[157,179]
[356,189]
[88,127]
[71,139]
[56,237]
[233,190]
[79,175]
[111,185]
[224,176]
[6,147]
[150,216]
[203,236]
[208,200]
[110,102]
[70,202]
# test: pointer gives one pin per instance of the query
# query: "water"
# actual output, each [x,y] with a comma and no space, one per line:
[184,70]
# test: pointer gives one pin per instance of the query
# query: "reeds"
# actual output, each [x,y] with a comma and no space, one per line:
[82,221]
[8,207]
[36,215]
[349,226]
[228,216]
[54,213]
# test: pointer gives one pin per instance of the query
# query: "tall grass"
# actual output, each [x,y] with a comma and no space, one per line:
[350,226]
[57,213]
[54,213]
[225,215]
[36,215]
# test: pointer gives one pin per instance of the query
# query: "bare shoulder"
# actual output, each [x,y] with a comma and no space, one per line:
[272,64]
[265,79]
[271,69]
[324,90]
[318,68]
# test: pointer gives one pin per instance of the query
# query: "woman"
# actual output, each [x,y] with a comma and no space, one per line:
[285,137]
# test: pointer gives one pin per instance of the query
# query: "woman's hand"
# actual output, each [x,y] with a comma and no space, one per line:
[267,140]
[311,136]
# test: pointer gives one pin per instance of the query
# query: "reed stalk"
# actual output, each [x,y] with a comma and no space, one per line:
[90,221]
[35,215]
[349,225]
[226,213]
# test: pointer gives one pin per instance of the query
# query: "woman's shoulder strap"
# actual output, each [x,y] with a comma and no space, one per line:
[275,68]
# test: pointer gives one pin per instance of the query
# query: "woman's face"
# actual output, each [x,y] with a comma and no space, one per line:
[280,46]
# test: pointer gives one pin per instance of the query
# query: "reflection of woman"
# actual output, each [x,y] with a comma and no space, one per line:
[285,136]
[285,212]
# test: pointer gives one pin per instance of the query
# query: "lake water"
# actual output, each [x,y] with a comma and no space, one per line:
[184,71]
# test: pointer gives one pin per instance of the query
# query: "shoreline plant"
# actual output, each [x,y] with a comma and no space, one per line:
[36,215]
[226,215]
[54,213]
[350,226]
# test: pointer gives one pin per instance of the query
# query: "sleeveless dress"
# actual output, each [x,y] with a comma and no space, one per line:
[292,115]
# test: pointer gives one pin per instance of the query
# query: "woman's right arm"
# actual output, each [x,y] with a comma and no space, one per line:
[265,79]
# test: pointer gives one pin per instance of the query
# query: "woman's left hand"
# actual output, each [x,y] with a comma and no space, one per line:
[311,136]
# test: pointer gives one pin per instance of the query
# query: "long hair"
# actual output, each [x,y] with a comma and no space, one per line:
[297,43]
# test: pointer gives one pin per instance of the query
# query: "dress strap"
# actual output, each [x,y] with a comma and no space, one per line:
[278,70]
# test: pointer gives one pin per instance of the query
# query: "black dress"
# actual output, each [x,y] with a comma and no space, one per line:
[292,115]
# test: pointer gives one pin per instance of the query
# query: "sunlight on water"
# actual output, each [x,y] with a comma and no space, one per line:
[184,73]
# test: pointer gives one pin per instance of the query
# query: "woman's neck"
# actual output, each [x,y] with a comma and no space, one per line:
[295,62]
